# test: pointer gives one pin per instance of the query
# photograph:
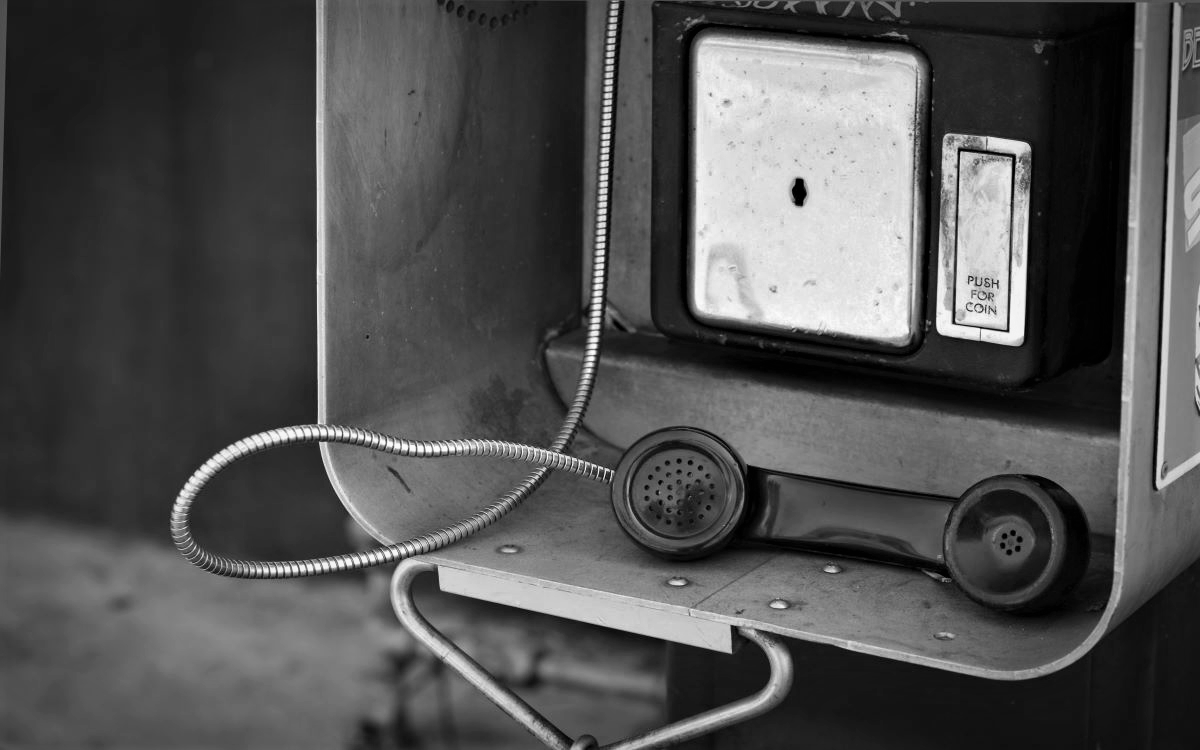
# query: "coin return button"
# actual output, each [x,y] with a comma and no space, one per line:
[985,199]
[984,240]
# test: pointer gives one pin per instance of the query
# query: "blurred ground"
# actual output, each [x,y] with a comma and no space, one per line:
[107,642]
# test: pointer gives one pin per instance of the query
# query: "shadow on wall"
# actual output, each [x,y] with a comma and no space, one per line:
[157,281]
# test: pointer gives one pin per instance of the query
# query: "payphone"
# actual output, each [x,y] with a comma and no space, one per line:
[934,158]
[874,260]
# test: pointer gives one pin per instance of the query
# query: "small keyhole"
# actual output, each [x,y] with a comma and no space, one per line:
[799,191]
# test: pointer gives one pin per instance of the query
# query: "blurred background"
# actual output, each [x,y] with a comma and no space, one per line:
[157,302]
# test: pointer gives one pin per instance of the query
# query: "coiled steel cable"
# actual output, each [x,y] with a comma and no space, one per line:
[548,459]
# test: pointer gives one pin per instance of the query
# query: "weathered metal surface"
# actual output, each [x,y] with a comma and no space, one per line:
[847,428]
[1158,532]
[677,627]
[570,541]
[571,545]
[629,252]
[449,207]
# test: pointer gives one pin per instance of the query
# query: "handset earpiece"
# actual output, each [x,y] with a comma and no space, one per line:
[1016,543]
[680,493]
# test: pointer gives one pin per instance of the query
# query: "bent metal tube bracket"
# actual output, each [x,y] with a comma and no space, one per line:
[770,696]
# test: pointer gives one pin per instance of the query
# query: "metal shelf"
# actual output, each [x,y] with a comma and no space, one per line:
[574,561]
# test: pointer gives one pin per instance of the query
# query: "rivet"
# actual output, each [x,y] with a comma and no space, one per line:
[779,604]
[508,549]
[678,581]
[944,635]
[832,568]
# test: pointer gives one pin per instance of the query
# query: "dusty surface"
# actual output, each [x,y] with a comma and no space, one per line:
[112,643]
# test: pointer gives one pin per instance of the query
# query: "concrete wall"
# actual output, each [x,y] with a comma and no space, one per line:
[157,293]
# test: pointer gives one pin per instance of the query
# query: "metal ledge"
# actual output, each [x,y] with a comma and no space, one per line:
[570,547]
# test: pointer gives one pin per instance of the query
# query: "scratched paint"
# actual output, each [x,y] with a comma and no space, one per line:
[729,287]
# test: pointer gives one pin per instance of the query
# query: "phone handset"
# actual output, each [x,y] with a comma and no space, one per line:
[1012,542]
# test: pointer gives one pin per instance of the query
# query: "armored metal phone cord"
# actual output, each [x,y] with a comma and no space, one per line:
[547,459]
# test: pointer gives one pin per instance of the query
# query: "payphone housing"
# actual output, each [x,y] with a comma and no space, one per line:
[414,185]
[939,161]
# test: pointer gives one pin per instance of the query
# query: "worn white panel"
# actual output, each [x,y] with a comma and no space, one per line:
[846,118]
[675,625]
[981,279]
[983,247]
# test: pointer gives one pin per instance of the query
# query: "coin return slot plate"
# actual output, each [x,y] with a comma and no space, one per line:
[983,249]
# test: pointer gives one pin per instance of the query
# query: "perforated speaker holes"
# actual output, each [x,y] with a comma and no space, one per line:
[1012,541]
[1013,544]
[678,492]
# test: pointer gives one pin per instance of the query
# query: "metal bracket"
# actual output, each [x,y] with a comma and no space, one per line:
[771,695]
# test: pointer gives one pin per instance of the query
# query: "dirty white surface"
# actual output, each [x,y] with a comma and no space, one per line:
[983,248]
[981,282]
[845,118]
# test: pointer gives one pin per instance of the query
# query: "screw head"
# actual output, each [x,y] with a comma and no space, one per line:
[678,581]
[832,568]
[944,635]
[508,549]
[779,604]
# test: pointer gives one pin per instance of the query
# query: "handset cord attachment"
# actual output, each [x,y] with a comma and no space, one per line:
[548,459]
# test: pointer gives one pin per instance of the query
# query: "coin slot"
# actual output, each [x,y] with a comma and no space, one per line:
[799,191]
